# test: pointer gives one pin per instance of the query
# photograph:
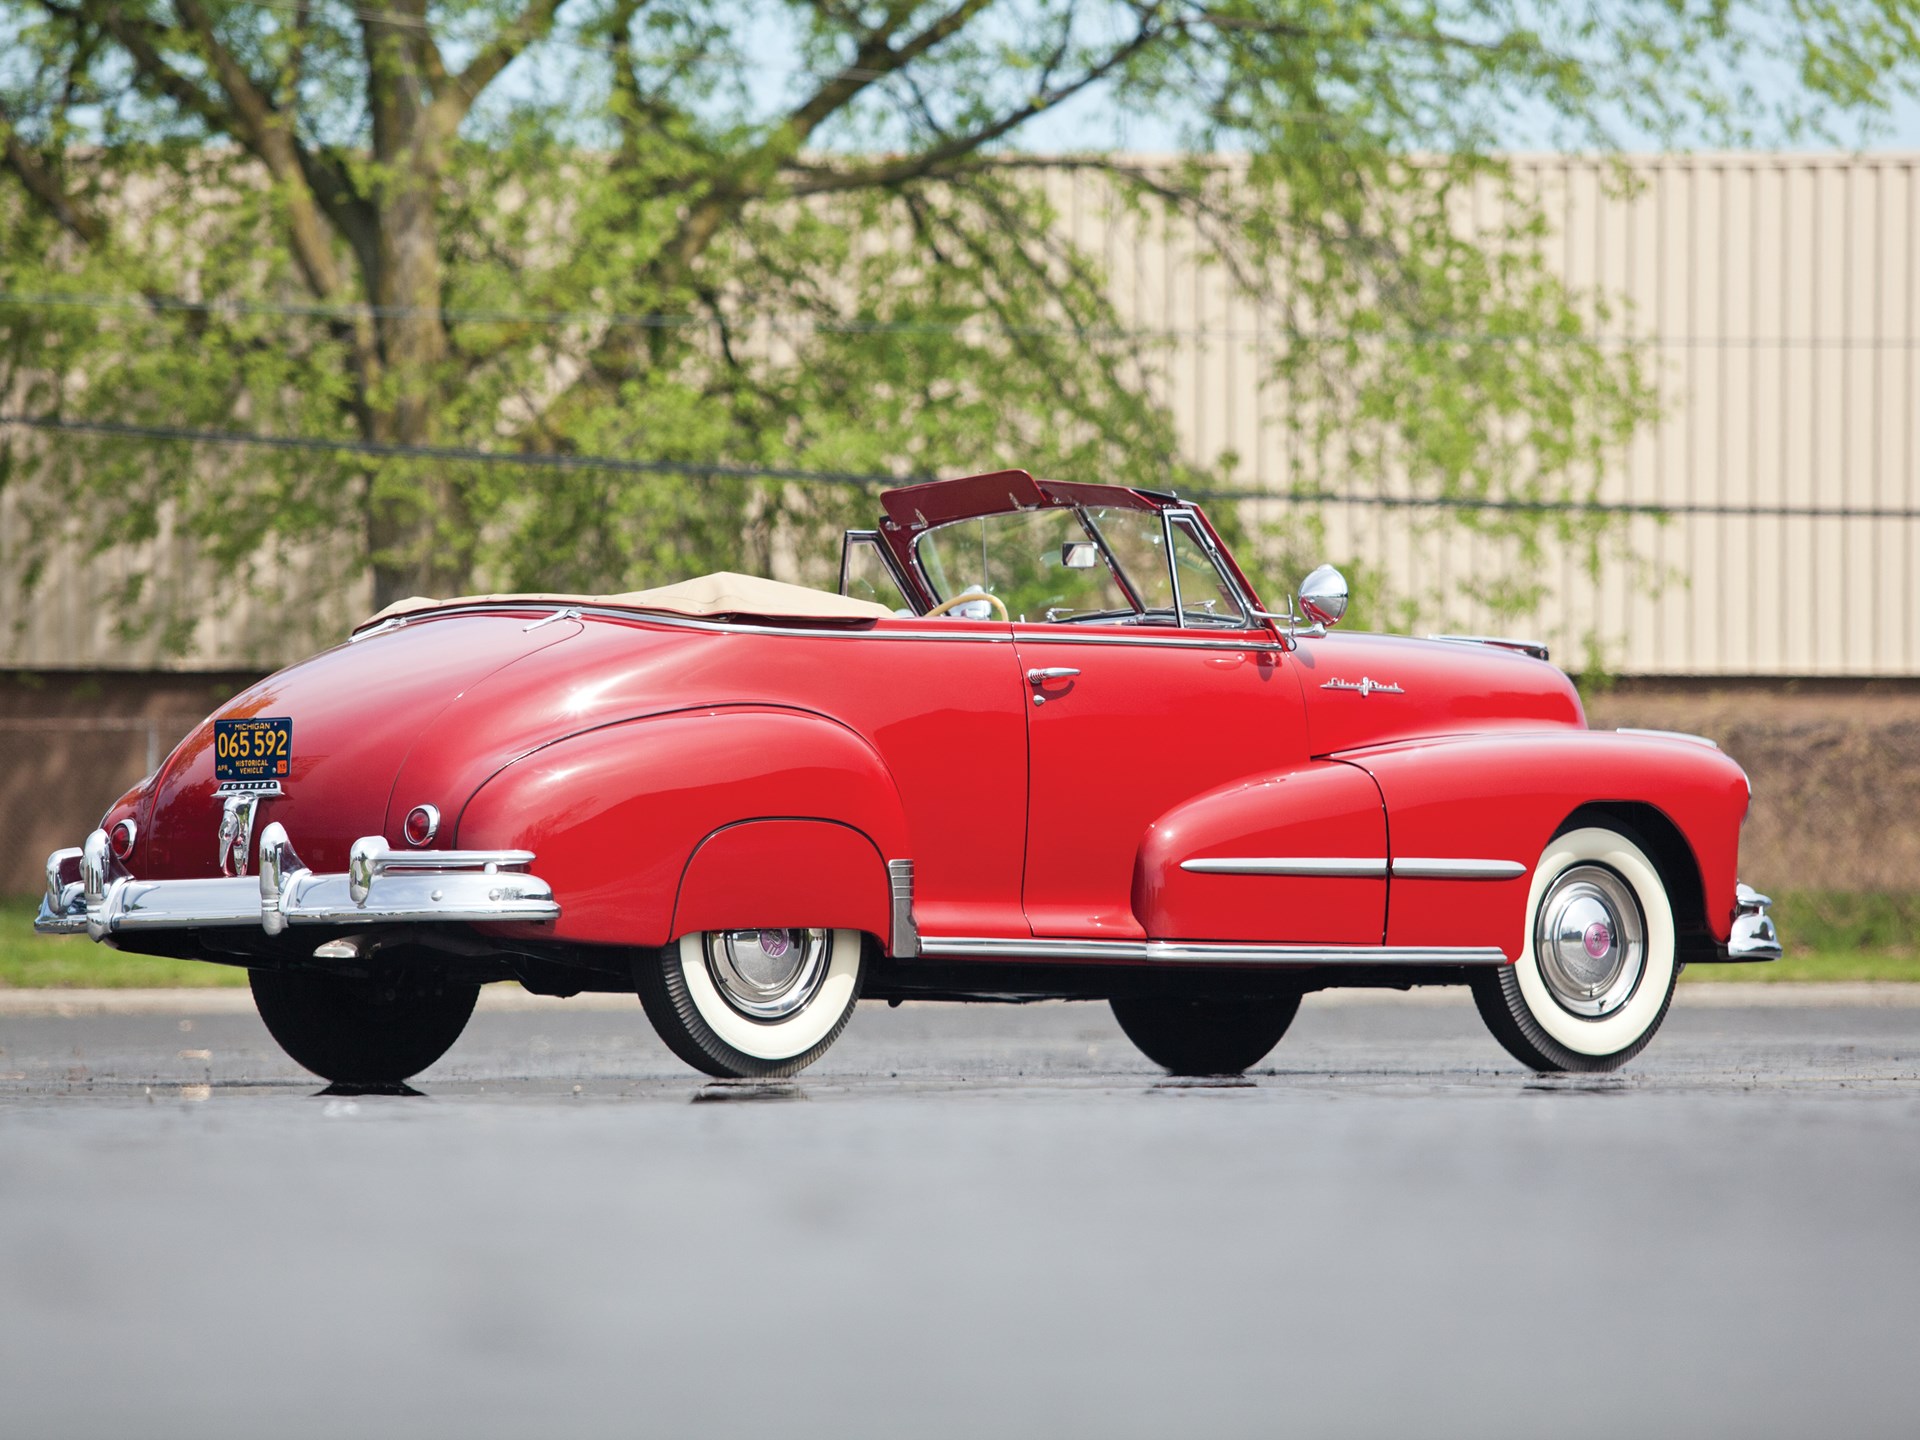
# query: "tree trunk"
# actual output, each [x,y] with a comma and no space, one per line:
[416,513]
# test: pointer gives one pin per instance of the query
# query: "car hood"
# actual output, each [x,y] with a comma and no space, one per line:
[358,711]
[1367,690]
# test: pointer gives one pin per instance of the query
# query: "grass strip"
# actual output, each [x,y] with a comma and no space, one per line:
[73,962]
[1829,935]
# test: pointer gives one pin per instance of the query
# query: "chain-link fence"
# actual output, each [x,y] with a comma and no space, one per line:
[59,773]
[1834,831]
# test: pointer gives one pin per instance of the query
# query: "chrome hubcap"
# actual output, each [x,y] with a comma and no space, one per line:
[767,974]
[1590,941]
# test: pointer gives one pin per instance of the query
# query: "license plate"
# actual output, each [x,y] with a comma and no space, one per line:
[259,749]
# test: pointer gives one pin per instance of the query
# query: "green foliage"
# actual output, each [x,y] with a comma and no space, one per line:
[1849,920]
[804,235]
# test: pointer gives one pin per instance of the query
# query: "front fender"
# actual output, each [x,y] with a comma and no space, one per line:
[1308,812]
[1503,798]
[615,815]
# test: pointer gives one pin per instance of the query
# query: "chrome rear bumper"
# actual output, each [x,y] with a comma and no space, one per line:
[1754,937]
[90,892]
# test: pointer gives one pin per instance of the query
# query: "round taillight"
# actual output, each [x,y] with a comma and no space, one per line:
[422,824]
[121,837]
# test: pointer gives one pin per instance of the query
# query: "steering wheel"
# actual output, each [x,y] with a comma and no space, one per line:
[967,597]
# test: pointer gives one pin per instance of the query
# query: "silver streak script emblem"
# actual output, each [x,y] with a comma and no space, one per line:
[1366,685]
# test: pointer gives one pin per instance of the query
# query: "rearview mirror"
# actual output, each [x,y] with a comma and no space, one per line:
[1323,596]
[1079,555]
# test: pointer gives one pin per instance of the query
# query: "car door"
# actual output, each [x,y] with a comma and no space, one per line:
[1153,748]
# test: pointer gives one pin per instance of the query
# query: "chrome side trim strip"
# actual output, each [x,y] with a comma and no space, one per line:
[1200,952]
[1410,869]
[1669,735]
[721,627]
[1064,634]
[906,932]
[1426,869]
[1167,638]
[824,632]
[1284,865]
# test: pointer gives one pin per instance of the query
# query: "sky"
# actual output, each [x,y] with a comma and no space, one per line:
[1090,122]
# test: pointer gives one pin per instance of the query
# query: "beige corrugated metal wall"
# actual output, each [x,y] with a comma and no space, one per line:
[1776,296]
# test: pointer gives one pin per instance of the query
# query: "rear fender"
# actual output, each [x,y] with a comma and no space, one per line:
[784,874]
[615,817]
[1504,797]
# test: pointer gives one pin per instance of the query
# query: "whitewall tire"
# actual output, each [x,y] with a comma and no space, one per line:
[746,1003]
[1597,961]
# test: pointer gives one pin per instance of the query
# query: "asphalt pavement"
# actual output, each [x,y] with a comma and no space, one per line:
[965,1221]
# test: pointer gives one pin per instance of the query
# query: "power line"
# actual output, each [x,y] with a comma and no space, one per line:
[467,455]
[460,454]
[560,319]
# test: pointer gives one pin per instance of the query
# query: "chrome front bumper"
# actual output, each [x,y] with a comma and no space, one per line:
[89,891]
[1754,937]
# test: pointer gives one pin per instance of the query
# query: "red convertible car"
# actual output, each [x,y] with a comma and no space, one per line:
[1047,742]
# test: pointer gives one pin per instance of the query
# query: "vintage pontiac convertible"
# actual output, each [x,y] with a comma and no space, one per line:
[1046,742]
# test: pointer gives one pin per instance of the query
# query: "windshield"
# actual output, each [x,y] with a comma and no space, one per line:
[1023,558]
[1097,563]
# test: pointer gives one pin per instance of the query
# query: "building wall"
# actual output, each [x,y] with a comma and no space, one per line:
[1778,298]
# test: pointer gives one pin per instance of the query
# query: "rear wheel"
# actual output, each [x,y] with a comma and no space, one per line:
[1596,973]
[1205,1037]
[377,1031]
[760,1003]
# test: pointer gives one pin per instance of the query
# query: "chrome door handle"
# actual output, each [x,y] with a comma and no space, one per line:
[1052,672]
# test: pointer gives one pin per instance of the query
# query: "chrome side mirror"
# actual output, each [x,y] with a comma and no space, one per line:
[1322,601]
[1079,555]
[1323,596]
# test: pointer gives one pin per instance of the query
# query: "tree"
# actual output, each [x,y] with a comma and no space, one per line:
[803,233]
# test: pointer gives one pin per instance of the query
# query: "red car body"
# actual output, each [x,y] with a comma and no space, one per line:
[1212,799]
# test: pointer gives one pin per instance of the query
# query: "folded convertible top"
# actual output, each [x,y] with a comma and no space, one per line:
[721,595]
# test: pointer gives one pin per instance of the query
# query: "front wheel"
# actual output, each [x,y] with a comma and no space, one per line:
[1596,968]
[752,1003]
[375,1031]
[1205,1037]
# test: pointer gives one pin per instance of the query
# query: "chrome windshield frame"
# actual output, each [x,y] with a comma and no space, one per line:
[1188,520]
[1173,517]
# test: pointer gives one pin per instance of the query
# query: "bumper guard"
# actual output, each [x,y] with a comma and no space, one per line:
[89,891]
[1754,937]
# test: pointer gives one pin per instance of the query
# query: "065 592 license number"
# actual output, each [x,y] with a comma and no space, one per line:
[255,749]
